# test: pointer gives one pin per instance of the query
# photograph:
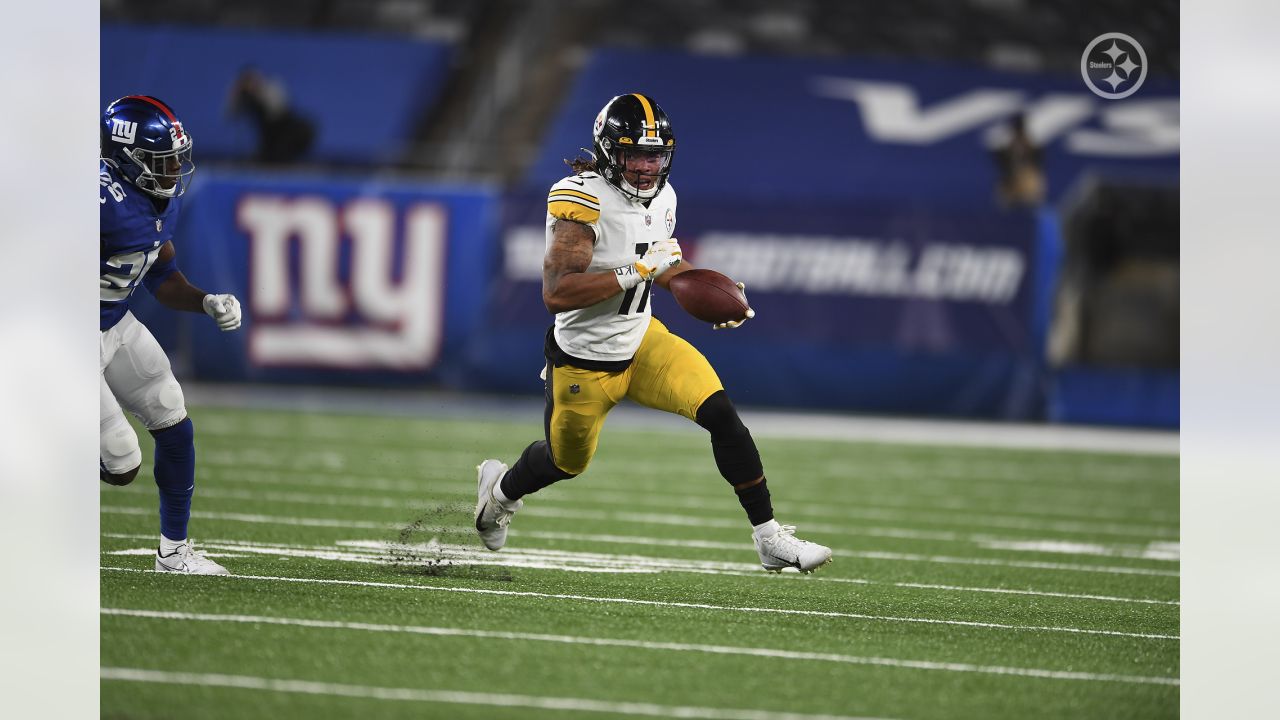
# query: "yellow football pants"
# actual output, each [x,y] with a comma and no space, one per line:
[667,374]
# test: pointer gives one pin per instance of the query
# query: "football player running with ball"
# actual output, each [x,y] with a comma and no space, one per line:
[145,167]
[608,241]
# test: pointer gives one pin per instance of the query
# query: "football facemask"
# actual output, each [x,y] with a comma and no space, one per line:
[163,174]
[644,172]
[147,144]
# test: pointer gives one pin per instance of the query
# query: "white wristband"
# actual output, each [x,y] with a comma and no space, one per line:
[628,277]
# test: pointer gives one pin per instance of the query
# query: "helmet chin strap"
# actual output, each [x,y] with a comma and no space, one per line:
[643,194]
[149,183]
[165,192]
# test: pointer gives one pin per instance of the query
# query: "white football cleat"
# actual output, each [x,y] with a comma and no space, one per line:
[187,560]
[784,549]
[492,515]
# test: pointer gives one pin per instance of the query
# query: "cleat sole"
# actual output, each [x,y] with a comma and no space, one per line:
[815,568]
[810,571]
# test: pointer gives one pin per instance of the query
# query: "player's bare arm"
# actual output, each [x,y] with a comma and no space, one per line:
[566,284]
[176,291]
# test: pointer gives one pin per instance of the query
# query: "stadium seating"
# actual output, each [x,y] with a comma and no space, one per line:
[364,94]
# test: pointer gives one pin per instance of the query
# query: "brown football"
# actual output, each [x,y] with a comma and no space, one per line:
[709,296]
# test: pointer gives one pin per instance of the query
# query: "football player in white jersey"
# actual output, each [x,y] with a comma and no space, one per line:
[609,239]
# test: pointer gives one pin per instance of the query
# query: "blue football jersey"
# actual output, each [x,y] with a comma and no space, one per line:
[132,231]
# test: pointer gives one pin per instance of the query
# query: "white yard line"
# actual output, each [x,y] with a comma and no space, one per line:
[1030,564]
[907,501]
[454,697]
[763,423]
[711,545]
[870,554]
[267,519]
[665,542]
[647,645]
[904,502]
[1166,551]
[557,508]
[691,606]
[957,433]
[310,498]
[874,555]
[1088,478]
[320,464]
[345,481]
[274,442]
[553,510]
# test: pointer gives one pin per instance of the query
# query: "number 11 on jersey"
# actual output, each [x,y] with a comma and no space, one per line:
[630,295]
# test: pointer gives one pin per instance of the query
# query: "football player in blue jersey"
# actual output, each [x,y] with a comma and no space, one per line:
[145,167]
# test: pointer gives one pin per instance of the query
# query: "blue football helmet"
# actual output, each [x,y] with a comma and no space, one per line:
[146,142]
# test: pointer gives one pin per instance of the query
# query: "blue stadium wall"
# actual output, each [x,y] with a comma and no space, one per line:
[364,94]
[885,278]
[357,282]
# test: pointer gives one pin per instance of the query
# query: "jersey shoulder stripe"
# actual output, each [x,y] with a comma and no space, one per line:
[575,210]
[574,198]
[574,195]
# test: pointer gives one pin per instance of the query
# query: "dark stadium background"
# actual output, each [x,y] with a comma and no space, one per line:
[469,108]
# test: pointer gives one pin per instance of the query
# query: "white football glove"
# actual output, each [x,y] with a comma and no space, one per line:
[661,255]
[224,309]
[735,323]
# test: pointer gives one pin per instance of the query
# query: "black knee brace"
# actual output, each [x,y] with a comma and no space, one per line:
[735,452]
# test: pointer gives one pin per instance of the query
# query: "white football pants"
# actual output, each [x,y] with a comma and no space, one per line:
[135,374]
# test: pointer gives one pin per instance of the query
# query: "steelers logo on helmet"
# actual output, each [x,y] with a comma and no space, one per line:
[634,145]
[143,138]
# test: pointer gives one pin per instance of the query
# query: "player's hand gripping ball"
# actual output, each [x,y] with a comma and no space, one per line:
[712,297]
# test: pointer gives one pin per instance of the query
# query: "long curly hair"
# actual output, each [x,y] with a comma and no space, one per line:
[583,164]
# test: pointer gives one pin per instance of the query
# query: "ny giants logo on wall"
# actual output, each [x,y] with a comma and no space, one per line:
[344,286]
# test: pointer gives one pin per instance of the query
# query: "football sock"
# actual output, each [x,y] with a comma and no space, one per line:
[765,529]
[501,496]
[167,546]
[735,452]
[175,471]
[755,500]
[736,455]
[533,471]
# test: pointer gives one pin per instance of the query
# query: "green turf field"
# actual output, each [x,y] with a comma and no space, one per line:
[966,582]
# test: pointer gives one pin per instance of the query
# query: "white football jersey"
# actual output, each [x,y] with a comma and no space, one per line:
[610,330]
